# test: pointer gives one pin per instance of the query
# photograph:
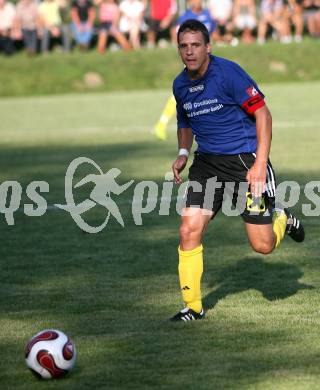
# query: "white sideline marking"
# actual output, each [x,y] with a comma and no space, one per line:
[134,129]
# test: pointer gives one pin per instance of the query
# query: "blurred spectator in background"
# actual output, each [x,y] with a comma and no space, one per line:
[198,12]
[27,24]
[109,16]
[64,10]
[162,17]
[311,16]
[221,13]
[292,14]
[271,16]
[7,14]
[82,16]
[131,20]
[244,17]
[51,23]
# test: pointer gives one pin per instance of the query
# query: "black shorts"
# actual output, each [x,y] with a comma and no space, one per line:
[213,179]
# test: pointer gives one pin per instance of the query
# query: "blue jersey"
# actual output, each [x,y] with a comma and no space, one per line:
[204,17]
[218,107]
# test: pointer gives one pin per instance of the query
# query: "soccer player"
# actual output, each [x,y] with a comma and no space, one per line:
[220,105]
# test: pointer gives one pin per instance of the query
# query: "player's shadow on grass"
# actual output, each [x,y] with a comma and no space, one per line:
[274,281]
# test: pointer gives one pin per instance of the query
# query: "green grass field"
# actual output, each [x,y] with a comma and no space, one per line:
[144,69]
[113,291]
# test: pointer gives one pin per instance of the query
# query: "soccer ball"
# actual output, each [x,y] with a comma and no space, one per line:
[50,354]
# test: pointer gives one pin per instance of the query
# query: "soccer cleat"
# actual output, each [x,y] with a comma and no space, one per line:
[294,227]
[187,314]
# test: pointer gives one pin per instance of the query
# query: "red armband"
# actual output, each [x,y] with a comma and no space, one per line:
[253,103]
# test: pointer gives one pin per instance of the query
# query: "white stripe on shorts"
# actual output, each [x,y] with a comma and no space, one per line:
[270,183]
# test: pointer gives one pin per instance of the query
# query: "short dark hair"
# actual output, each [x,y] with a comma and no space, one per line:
[194,25]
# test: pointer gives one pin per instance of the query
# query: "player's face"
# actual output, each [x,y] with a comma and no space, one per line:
[194,52]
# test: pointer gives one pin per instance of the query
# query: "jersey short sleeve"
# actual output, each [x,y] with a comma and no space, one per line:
[182,119]
[243,89]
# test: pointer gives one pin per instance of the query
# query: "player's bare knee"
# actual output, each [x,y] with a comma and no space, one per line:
[263,247]
[189,232]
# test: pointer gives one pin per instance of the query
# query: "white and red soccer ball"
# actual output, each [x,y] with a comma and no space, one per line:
[50,354]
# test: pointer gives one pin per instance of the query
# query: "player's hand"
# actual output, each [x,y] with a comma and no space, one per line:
[178,166]
[256,178]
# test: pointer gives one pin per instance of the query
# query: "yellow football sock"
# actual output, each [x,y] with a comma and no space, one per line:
[190,272]
[168,112]
[279,226]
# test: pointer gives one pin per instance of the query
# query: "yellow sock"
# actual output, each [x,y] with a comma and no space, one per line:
[168,112]
[190,272]
[279,226]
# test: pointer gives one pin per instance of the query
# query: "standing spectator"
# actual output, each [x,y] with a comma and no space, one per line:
[51,23]
[27,22]
[82,16]
[197,12]
[244,16]
[109,15]
[7,14]
[221,13]
[311,15]
[162,18]
[131,20]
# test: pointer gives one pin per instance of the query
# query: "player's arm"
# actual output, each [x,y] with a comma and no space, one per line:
[248,95]
[256,176]
[185,139]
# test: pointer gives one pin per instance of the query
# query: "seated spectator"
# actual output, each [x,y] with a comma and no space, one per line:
[162,18]
[82,16]
[132,12]
[295,9]
[272,15]
[221,12]
[7,14]
[109,15]
[198,12]
[244,18]
[51,24]
[27,24]
[311,16]
[64,10]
